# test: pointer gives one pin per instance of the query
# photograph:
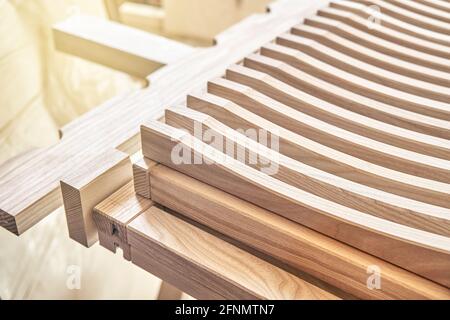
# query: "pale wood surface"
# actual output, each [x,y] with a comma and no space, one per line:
[87,187]
[115,122]
[320,183]
[141,178]
[300,247]
[194,260]
[424,10]
[112,216]
[438,4]
[298,147]
[135,52]
[398,244]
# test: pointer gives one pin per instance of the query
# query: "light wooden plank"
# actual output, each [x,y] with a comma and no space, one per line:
[376,16]
[117,121]
[320,183]
[437,4]
[409,16]
[406,247]
[422,10]
[117,46]
[387,34]
[207,267]
[85,188]
[141,176]
[285,107]
[368,55]
[112,216]
[305,150]
[299,247]
[379,44]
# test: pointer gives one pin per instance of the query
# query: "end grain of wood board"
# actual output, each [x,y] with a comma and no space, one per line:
[207,267]
[392,23]
[300,247]
[371,56]
[421,252]
[87,187]
[283,105]
[378,44]
[114,214]
[141,176]
[308,151]
[320,183]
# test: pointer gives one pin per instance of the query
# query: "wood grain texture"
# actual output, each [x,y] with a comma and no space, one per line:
[320,183]
[87,187]
[368,55]
[112,216]
[117,46]
[437,4]
[421,9]
[299,247]
[387,34]
[401,245]
[117,121]
[194,260]
[409,16]
[375,14]
[285,107]
[379,44]
[359,68]
[305,150]
[280,62]
[141,178]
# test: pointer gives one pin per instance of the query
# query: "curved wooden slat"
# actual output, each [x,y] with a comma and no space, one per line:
[370,56]
[368,12]
[365,70]
[437,4]
[408,16]
[423,253]
[303,149]
[422,10]
[387,34]
[378,44]
[370,89]
[287,241]
[287,104]
[320,183]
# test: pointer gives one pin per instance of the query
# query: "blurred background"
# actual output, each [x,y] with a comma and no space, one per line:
[41,91]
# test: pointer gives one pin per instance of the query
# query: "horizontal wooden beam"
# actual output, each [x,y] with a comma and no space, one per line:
[117,46]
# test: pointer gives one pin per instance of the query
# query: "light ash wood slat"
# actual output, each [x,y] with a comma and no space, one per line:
[287,241]
[112,216]
[370,56]
[365,70]
[387,34]
[437,4]
[206,267]
[114,123]
[320,183]
[417,126]
[87,187]
[114,45]
[379,44]
[377,16]
[308,151]
[361,86]
[403,246]
[141,176]
[284,105]
[409,16]
[423,10]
